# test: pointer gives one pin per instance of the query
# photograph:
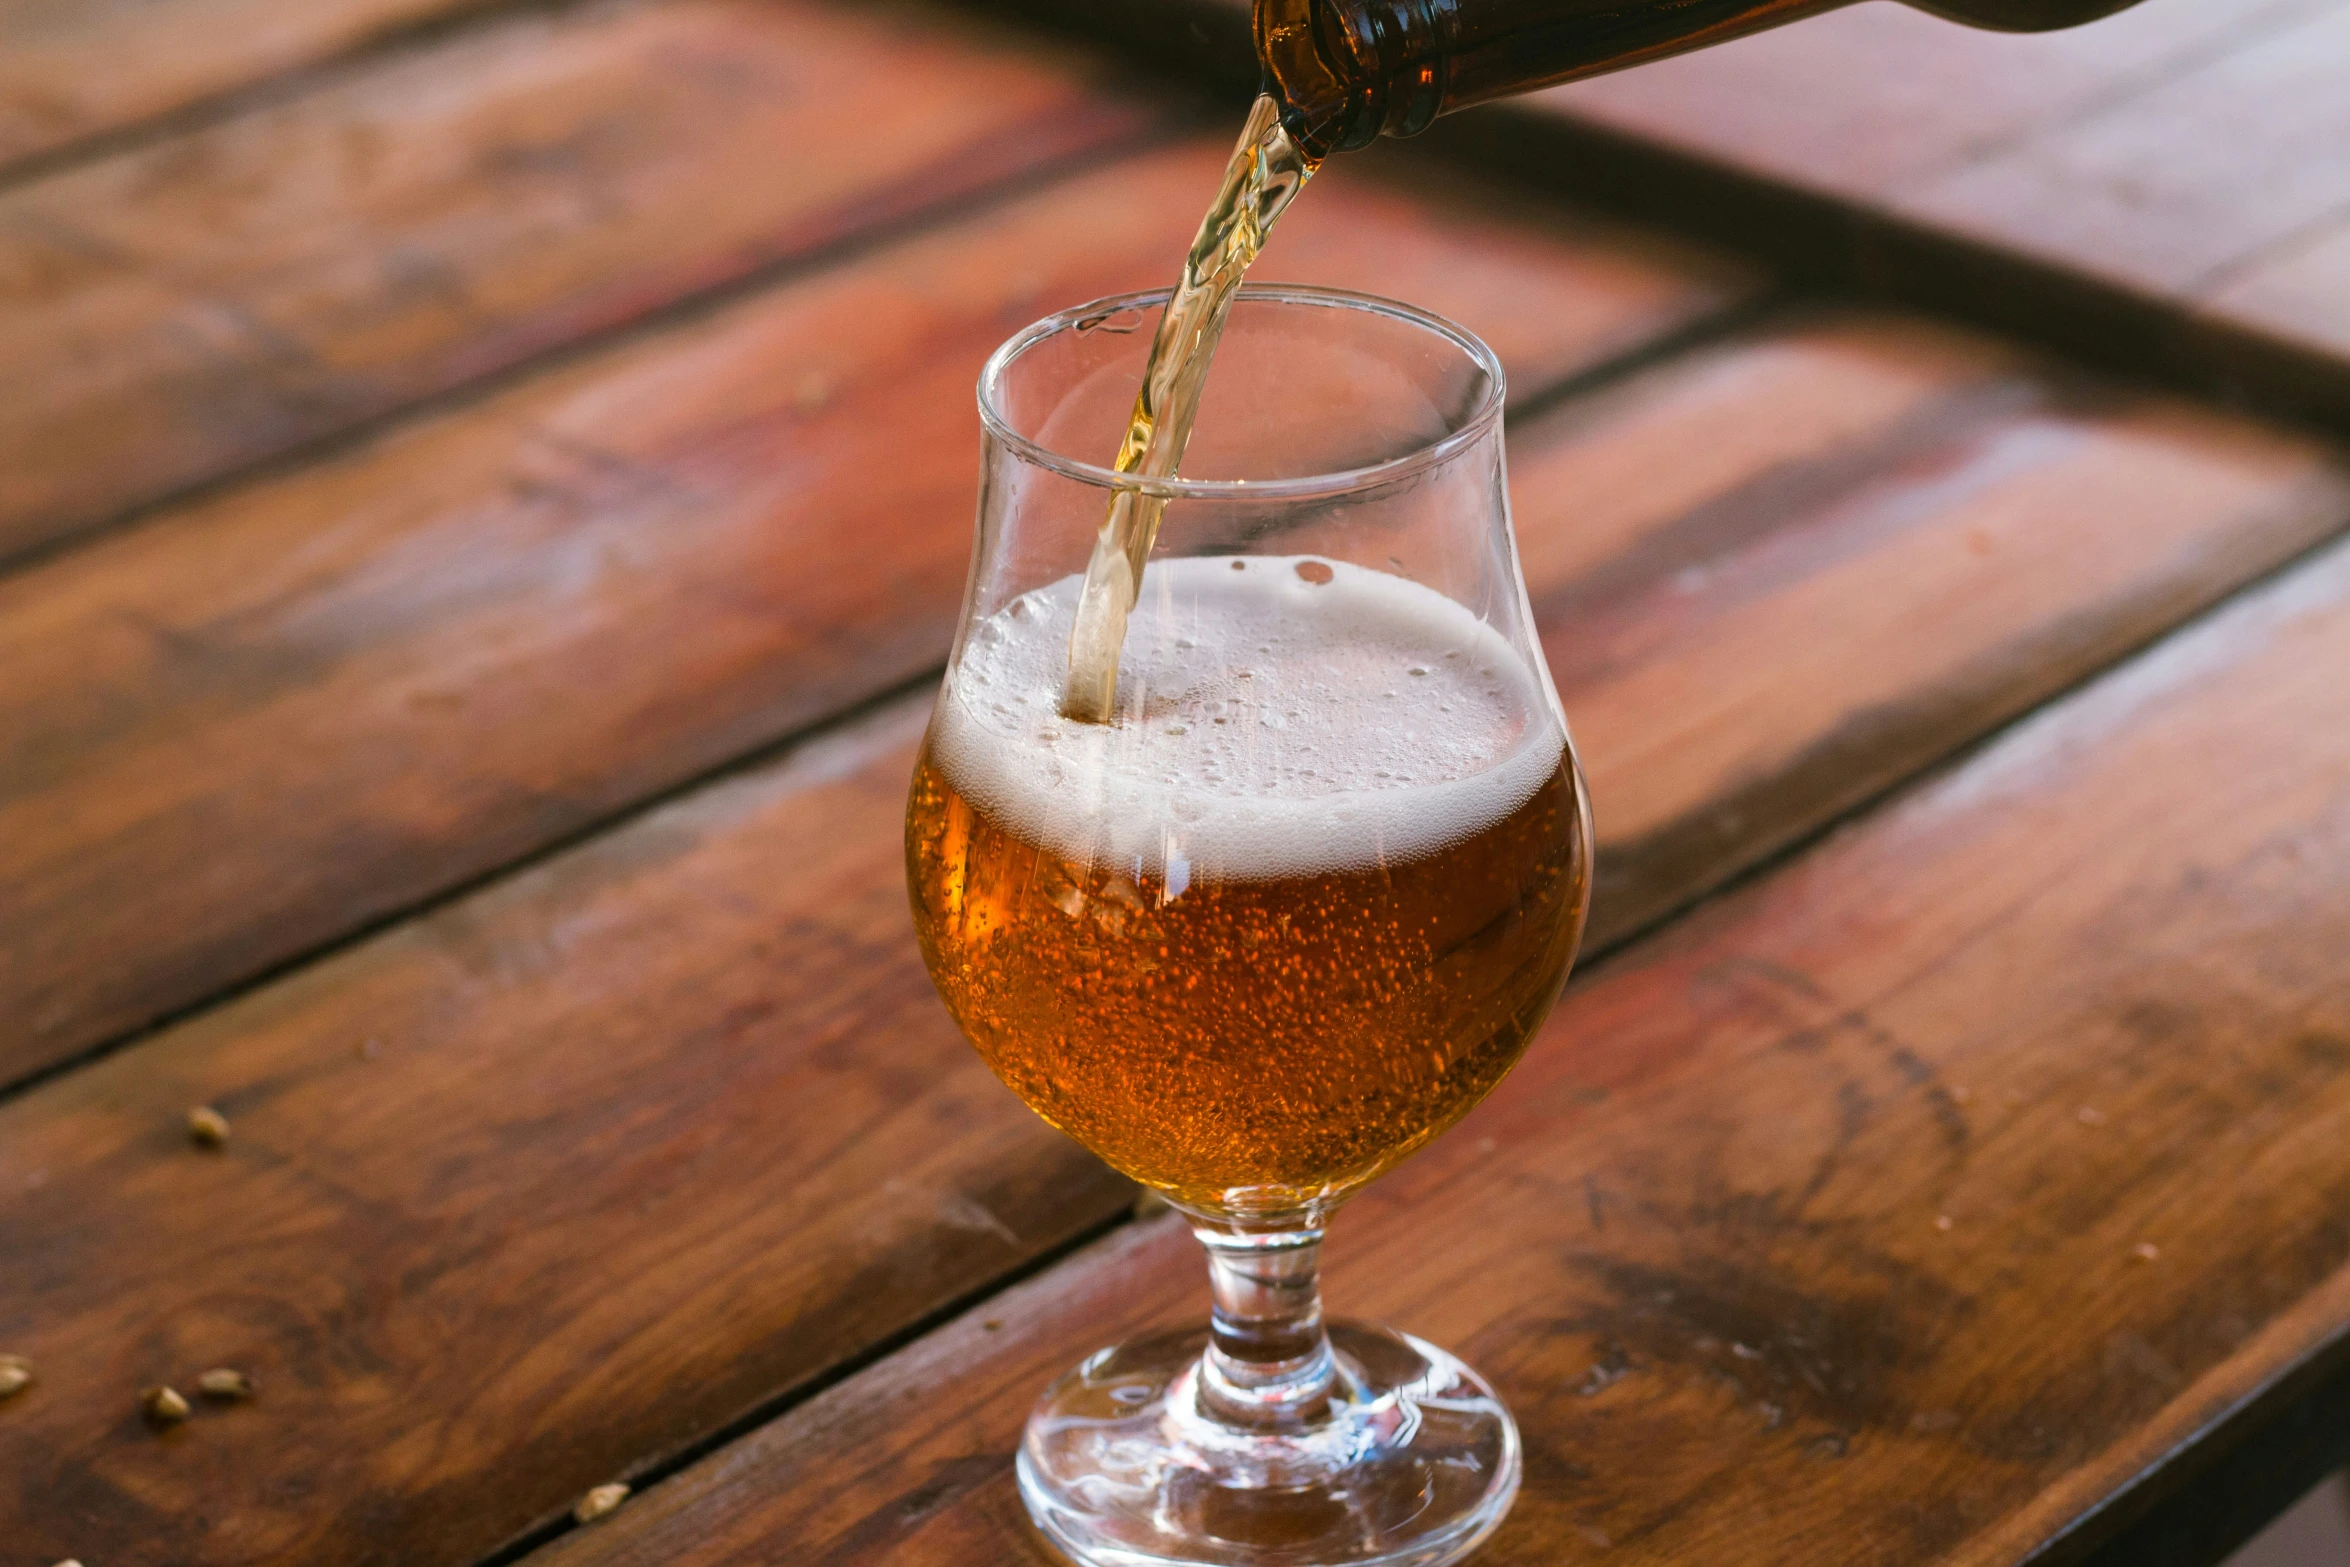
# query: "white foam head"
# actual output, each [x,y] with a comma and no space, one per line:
[1277,716]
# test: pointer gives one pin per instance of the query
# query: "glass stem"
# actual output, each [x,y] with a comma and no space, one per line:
[1268,1366]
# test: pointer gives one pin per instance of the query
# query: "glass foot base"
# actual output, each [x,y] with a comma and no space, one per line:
[1416,1464]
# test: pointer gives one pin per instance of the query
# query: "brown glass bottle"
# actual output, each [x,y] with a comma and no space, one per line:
[1350,70]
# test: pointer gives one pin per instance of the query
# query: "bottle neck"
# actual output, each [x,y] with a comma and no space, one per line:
[1347,71]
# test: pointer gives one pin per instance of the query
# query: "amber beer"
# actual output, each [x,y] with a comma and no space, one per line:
[1288,916]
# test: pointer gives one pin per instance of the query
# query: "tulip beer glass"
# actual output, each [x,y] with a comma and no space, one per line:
[1286,916]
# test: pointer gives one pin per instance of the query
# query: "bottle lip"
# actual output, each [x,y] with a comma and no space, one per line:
[1479,422]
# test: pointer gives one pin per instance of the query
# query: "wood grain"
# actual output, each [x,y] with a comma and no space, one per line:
[75,69]
[538,1188]
[2174,184]
[603,1159]
[1910,1205]
[659,1130]
[259,722]
[181,311]
[2159,191]
[2220,194]
[1734,559]
[1868,103]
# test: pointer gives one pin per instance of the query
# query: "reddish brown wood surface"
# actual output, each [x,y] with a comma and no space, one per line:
[2221,191]
[2278,318]
[478,1267]
[613,1154]
[515,1197]
[180,311]
[2183,180]
[2163,188]
[1901,1208]
[256,723]
[74,69]
[1781,574]
[1868,103]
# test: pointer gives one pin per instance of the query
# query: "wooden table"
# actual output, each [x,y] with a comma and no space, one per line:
[484,490]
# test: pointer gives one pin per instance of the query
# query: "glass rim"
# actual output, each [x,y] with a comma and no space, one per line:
[1339,482]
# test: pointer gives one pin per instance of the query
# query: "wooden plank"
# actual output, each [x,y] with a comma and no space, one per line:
[2175,184]
[1867,103]
[658,1131]
[262,721]
[1731,560]
[570,1173]
[2158,191]
[75,69]
[2276,320]
[1927,1198]
[2219,194]
[181,311]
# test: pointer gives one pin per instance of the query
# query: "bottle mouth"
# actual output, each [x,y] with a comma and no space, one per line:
[1130,313]
[1319,113]
[1346,75]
